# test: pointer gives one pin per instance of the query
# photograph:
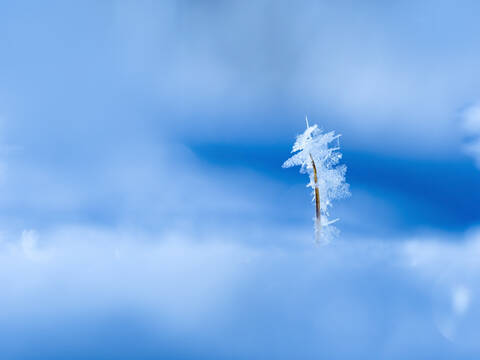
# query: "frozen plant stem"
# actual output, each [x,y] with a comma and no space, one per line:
[318,215]
[315,153]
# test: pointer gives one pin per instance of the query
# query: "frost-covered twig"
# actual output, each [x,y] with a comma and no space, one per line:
[317,158]
[318,215]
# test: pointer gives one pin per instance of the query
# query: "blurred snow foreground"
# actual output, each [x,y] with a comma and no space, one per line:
[318,155]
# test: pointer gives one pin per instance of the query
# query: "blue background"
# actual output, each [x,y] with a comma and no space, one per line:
[144,212]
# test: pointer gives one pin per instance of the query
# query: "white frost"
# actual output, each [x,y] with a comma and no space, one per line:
[323,148]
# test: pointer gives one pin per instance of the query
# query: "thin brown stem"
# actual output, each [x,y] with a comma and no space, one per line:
[317,193]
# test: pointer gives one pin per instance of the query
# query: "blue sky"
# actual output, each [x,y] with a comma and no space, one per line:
[144,212]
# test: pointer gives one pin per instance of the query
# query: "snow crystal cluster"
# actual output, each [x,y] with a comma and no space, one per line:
[320,151]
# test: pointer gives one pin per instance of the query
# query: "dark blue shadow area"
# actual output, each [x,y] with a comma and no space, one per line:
[426,193]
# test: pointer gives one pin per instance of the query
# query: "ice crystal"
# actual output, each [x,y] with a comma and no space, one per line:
[317,153]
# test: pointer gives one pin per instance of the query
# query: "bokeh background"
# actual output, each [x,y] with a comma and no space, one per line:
[144,213]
